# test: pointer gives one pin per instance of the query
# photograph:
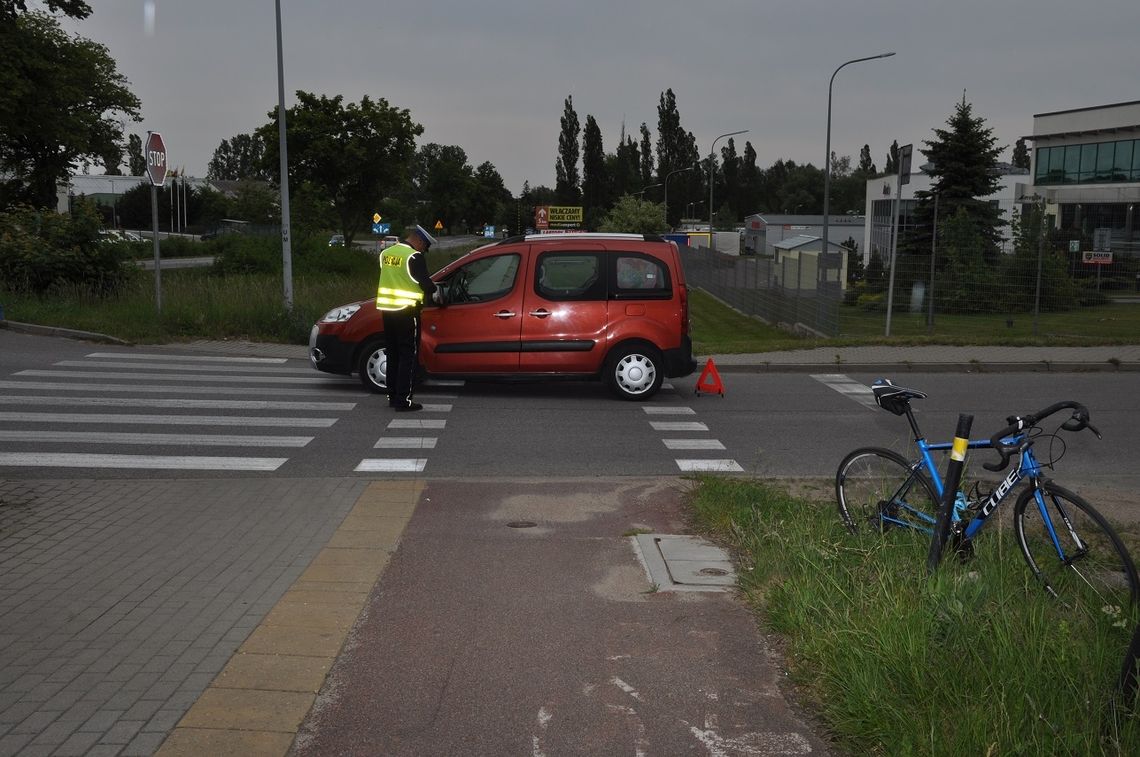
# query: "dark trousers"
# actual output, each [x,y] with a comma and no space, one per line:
[402,342]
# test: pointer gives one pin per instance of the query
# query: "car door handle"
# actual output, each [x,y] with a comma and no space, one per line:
[540,313]
[504,314]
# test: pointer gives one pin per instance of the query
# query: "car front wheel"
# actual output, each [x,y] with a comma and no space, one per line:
[372,366]
[634,371]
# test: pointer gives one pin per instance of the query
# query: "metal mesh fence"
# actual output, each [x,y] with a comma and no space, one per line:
[1047,288]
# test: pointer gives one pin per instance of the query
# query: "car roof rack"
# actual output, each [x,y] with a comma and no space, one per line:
[581,235]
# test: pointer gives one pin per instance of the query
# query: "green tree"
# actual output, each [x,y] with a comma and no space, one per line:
[963,174]
[676,148]
[966,283]
[444,183]
[490,198]
[623,168]
[566,167]
[751,177]
[866,165]
[645,165]
[352,154]
[892,166]
[632,215]
[595,183]
[241,157]
[135,160]
[62,102]
[730,172]
[1020,154]
[1033,245]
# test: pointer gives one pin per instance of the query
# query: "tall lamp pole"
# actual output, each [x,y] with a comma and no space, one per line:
[712,179]
[286,248]
[827,158]
[669,176]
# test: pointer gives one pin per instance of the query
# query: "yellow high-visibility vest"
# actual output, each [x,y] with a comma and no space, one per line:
[398,289]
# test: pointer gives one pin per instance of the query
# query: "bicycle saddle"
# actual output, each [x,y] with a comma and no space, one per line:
[894,398]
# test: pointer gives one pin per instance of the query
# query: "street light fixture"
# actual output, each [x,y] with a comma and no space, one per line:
[712,178]
[646,189]
[827,158]
[669,176]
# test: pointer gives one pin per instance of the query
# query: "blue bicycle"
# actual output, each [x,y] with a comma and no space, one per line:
[1068,545]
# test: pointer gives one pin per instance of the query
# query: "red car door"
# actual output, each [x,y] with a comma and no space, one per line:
[478,330]
[565,312]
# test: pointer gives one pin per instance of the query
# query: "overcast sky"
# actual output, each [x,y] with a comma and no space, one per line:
[491,75]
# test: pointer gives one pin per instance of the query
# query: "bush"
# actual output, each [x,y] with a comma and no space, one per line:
[41,250]
[237,254]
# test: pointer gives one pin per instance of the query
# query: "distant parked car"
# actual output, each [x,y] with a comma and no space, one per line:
[388,241]
[337,240]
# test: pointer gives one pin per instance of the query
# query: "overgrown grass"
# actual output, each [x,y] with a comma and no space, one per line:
[975,660]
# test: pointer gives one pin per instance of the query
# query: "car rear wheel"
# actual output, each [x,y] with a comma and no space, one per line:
[634,371]
[372,366]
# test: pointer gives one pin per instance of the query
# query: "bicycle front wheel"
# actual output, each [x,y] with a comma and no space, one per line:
[1073,551]
[879,489]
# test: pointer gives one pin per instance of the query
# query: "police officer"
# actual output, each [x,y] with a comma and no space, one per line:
[404,284]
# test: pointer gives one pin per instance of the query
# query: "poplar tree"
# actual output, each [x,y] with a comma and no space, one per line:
[566,182]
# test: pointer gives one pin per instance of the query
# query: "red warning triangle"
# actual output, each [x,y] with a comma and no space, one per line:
[710,382]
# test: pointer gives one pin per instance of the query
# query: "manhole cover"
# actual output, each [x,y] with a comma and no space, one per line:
[712,572]
[521,524]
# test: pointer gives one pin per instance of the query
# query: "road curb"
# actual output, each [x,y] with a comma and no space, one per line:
[87,336]
[919,367]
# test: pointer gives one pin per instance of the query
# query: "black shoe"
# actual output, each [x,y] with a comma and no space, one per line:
[411,407]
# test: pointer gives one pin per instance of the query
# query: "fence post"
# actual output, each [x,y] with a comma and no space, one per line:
[951,481]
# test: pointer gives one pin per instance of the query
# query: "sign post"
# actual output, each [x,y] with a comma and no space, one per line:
[156,163]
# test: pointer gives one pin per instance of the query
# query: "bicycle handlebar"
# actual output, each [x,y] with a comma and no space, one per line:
[1078,422]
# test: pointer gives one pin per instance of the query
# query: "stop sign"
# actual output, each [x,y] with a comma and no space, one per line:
[155,151]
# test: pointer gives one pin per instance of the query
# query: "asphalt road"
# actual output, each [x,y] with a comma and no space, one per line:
[62,399]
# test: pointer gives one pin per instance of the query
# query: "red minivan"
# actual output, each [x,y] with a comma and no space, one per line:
[579,305]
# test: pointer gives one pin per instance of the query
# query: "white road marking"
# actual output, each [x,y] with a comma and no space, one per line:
[195,358]
[848,387]
[626,688]
[15,399]
[416,423]
[719,466]
[668,410]
[172,420]
[410,465]
[441,408]
[143,389]
[109,437]
[138,462]
[406,442]
[316,379]
[693,444]
[678,426]
[183,367]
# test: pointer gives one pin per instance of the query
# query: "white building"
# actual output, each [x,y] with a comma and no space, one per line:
[1086,164]
[1013,188]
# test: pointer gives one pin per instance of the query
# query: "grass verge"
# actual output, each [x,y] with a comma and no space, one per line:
[974,660]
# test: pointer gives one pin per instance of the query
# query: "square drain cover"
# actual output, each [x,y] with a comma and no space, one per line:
[684,563]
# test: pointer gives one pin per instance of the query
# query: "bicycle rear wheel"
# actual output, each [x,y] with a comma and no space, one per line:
[1088,566]
[879,489]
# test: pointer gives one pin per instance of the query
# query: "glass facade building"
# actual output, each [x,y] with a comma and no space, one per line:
[1088,163]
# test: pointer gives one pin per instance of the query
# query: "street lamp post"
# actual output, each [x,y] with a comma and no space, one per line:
[827,158]
[286,249]
[669,176]
[712,179]
[641,194]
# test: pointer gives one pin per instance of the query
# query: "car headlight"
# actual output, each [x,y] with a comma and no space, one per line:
[343,313]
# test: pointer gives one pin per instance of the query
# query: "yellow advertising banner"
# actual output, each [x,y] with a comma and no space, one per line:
[564,214]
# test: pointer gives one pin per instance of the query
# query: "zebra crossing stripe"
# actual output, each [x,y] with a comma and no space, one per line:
[192,358]
[416,423]
[718,466]
[171,420]
[182,367]
[323,379]
[138,462]
[14,399]
[678,426]
[142,389]
[693,444]
[113,437]
[410,465]
[406,442]
[440,408]
[668,410]
[848,387]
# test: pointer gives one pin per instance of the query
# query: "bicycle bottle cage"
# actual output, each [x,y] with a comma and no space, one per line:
[894,398]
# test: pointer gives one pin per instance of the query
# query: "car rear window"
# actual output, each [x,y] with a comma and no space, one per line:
[569,276]
[640,277]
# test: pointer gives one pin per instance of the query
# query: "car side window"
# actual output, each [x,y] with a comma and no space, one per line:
[640,277]
[484,279]
[570,276]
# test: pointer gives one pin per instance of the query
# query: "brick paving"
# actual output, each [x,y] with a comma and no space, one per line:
[123,600]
